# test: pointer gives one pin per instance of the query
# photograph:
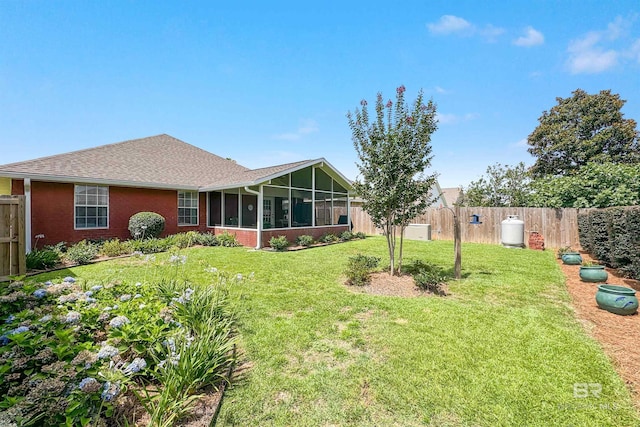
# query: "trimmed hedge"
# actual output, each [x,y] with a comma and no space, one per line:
[612,236]
[146,225]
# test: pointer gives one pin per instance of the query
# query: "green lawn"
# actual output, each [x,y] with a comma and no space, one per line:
[503,350]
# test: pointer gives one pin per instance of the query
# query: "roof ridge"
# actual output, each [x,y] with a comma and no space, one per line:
[286,164]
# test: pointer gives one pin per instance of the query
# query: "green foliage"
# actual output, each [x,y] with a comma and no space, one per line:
[345,236]
[40,259]
[581,129]
[227,239]
[279,243]
[304,240]
[595,185]
[563,250]
[394,152]
[600,235]
[185,240]
[207,239]
[146,225]
[151,246]
[360,235]
[115,247]
[328,238]
[503,186]
[82,252]
[584,231]
[359,269]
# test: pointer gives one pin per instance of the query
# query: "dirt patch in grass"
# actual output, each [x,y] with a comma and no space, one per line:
[397,286]
[619,335]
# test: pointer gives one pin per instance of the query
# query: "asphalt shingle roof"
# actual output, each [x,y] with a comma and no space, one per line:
[156,160]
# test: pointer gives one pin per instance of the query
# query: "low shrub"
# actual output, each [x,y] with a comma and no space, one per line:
[146,225]
[185,240]
[151,246]
[115,247]
[82,252]
[40,259]
[359,269]
[279,243]
[346,236]
[433,281]
[359,235]
[207,239]
[304,240]
[328,238]
[227,239]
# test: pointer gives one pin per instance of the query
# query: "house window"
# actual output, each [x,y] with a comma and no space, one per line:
[187,208]
[91,203]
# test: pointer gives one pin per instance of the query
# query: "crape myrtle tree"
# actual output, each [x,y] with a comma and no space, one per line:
[394,149]
[502,186]
[580,129]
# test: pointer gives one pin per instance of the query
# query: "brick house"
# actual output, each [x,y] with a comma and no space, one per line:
[92,193]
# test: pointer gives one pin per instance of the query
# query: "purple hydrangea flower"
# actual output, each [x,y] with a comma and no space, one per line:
[137,365]
[10,319]
[69,279]
[125,297]
[110,391]
[46,318]
[96,288]
[108,351]
[48,283]
[72,317]
[40,293]
[118,321]
[89,385]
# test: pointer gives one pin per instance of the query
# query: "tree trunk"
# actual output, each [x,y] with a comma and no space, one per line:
[457,243]
[402,227]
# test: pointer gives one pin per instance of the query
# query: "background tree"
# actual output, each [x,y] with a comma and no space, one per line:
[394,151]
[502,186]
[581,129]
[596,185]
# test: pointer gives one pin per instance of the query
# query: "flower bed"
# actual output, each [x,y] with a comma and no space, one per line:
[77,353]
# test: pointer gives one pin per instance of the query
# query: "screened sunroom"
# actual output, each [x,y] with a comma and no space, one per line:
[301,198]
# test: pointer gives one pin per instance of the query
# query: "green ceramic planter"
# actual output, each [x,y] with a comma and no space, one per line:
[593,273]
[617,299]
[571,258]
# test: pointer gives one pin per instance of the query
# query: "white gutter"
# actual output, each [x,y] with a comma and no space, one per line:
[259,214]
[27,214]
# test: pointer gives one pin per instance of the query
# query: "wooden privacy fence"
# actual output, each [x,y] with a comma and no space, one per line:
[559,227]
[12,237]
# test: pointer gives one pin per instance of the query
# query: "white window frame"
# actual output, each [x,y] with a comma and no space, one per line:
[86,205]
[197,207]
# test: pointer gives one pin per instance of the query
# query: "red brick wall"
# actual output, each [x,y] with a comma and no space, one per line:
[17,187]
[53,209]
[245,237]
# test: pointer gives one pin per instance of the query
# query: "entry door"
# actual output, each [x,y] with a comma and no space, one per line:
[268,214]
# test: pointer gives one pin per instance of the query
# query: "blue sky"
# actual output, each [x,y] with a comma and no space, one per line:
[271,82]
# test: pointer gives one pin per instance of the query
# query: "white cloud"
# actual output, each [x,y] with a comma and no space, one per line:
[441,90]
[449,24]
[599,51]
[450,119]
[491,33]
[532,37]
[305,128]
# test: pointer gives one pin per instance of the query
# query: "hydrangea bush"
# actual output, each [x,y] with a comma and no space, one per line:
[74,354]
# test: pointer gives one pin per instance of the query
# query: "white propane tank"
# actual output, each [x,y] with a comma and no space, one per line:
[513,232]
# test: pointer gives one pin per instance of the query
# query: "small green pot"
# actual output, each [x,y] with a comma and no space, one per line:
[593,273]
[617,299]
[571,258]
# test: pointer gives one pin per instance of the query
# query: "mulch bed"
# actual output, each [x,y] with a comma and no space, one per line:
[618,335]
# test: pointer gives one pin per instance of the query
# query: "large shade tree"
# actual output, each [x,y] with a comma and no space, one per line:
[502,186]
[580,129]
[394,149]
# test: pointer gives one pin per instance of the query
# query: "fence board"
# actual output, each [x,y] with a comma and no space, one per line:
[559,227]
[12,236]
